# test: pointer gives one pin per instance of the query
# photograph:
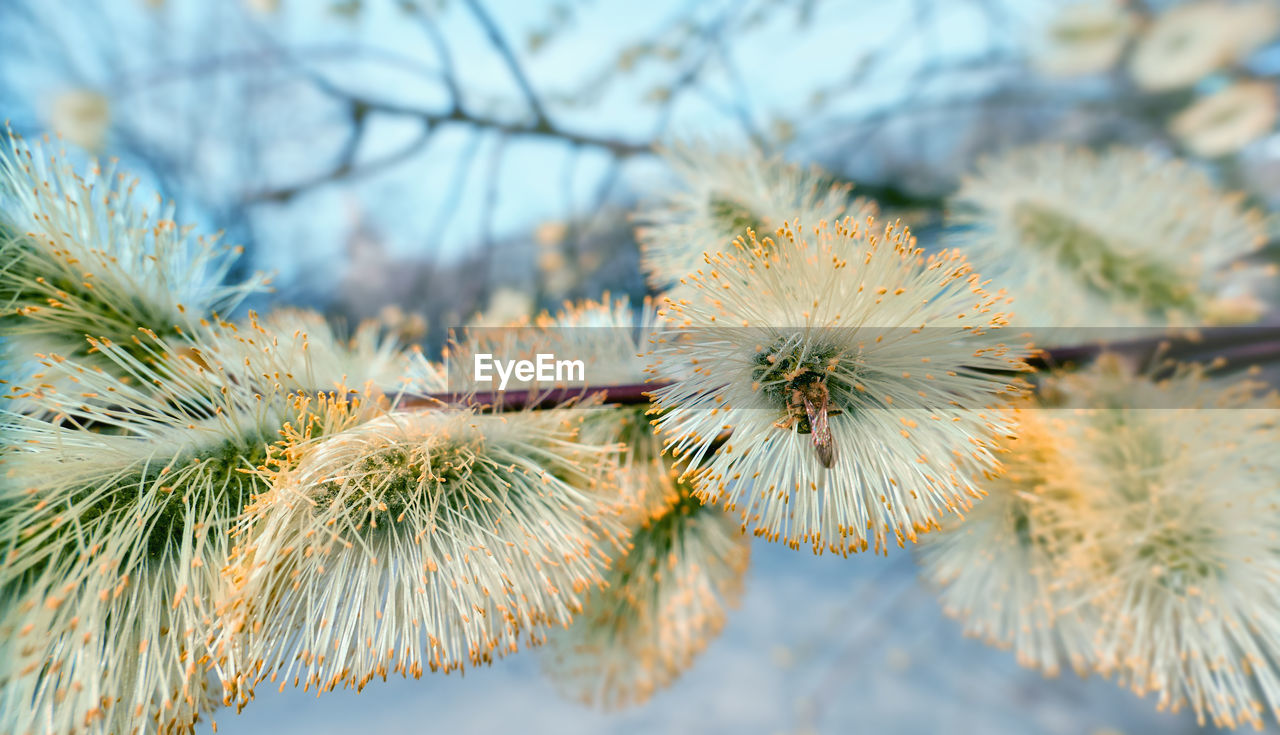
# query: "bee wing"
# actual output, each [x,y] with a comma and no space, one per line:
[823,443]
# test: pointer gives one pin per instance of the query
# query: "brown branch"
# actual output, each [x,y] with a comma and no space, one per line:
[634,394]
[1228,347]
[1187,345]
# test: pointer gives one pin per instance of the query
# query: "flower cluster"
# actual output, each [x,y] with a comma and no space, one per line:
[83,256]
[998,568]
[1181,46]
[1192,40]
[1119,239]
[1138,541]
[854,372]
[1085,38]
[663,601]
[722,193]
[115,523]
[431,540]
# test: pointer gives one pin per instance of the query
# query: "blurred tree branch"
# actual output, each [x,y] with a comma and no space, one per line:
[541,122]
[898,110]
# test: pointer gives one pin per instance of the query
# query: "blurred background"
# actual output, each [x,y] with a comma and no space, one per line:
[417,161]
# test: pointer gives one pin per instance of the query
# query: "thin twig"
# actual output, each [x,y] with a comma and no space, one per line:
[449,73]
[345,169]
[513,64]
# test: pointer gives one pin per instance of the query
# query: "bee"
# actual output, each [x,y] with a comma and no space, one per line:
[809,409]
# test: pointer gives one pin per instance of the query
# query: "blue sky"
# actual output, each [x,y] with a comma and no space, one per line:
[413,204]
[780,64]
